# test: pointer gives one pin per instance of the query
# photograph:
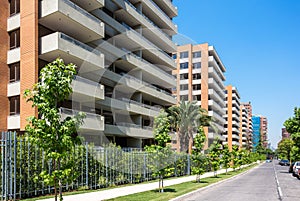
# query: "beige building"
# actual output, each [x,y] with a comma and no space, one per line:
[233,118]
[247,110]
[122,49]
[200,77]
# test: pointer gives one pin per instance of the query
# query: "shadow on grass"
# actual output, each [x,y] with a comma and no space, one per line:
[201,182]
[166,190]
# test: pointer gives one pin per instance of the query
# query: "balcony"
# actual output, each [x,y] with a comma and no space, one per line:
[13,122]
[155,13]
[213,74]
[218,117]
[129,106]
[13,89]
[216,106]
[71,51]
[128,130]
[217,68]
[133,17]
[67,17]
[215,85]
[216,96]
[90,4]
[86,90]
[13,55]
[168,7]
[92,122]
[13,22]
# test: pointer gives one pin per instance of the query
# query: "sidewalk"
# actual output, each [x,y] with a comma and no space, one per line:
[137,188]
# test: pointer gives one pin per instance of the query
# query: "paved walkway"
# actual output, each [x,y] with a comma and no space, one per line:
[127,190]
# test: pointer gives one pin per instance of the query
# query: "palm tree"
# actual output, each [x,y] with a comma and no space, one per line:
[185,119]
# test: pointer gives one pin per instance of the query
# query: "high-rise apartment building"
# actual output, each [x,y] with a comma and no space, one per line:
[244,131]
[200,77]
[232,117]
[260,130]
[284,134]
[122,50]
[249,129]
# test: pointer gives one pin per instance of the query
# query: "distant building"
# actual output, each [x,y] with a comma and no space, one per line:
[249,129]
[284,134]
[260,131]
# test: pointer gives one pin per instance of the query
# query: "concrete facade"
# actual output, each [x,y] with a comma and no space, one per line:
[122,50]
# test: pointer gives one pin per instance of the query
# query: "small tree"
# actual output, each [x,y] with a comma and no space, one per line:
[226,157]
[199,160]
[56,136]
[235,156]
[161,152]
[214,156]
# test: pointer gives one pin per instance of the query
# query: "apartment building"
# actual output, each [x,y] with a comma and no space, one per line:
[232,117]
[284,134]
[260,130]
[244,132]
[200,77]
[249,129]
[123,52]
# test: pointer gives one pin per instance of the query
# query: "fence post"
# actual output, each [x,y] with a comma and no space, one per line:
[189,165]
[87,164]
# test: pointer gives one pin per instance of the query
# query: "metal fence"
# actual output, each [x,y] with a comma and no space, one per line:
[96,167]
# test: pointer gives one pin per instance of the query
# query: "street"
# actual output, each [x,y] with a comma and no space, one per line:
[267,182]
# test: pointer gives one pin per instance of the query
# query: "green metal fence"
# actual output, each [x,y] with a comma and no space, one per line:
[96,167]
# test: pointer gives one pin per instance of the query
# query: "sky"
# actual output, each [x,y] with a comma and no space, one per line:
[258,41]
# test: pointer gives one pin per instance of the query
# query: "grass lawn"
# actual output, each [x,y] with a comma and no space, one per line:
[179,189]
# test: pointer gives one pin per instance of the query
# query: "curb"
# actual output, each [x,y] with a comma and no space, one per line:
[181,198]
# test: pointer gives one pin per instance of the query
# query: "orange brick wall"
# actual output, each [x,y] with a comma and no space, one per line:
[29,54]
[4,43]
[229,112]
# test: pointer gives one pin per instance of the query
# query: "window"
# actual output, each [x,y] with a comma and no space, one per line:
[14,104]
[196,65]
[197,97]
[14,39]
[184,55]
[184,65]
[174,56]
[184,87]
[197,87]
[14,7]
[196,76]
[184,98]
[184,76]
[14,72]
[197,54]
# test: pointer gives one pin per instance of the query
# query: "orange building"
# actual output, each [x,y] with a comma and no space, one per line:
[200,77]
[233,118]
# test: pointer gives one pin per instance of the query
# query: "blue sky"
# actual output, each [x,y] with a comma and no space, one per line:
[259,44]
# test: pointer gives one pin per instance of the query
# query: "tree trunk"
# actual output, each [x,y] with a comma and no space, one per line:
[55,187]
[59,183]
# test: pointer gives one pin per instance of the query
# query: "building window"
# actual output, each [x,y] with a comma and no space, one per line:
[14,7]
[197,87]
[196,65]
[14,104]
[184,65]
[197,54]
[197,97]
[184,98]
[184,87]
[174,56]
[196,76]
[184,55]
[184,76]
[14,72]
[14,37]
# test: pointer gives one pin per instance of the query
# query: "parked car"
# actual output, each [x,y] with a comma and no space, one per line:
[291,167]
[296,169]
[284,162]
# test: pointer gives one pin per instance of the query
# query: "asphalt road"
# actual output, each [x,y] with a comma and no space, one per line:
[267,182]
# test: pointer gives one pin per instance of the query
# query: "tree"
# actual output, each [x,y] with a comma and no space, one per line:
[185,119]
[161,153]
[56,136]
[226,157]
[199,160]
[235,156]
[293,127]
[214,156]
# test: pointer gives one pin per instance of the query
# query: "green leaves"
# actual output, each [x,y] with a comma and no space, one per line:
[56,136]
